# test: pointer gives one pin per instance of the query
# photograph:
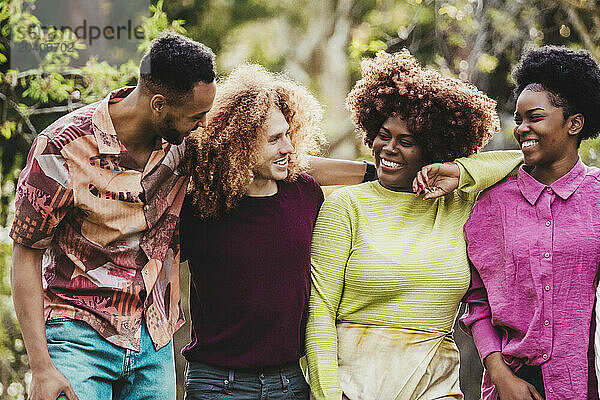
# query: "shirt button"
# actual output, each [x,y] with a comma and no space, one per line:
[548,223]
[547,255]
[549,190]
[550,390]
[547,287]
[546,322]
[545,356]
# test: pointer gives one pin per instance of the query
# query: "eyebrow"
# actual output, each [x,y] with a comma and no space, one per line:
[200,114]
[274,135]
[529,111]
[403,135]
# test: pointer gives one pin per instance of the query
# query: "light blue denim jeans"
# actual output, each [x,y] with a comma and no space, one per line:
[99,370]
[207,382]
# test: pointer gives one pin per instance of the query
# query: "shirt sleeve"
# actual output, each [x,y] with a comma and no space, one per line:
[331,245]
[480,171]
[44,195]
[477,320]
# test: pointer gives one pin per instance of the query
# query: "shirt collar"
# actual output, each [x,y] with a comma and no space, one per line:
[103,128]
[564,187]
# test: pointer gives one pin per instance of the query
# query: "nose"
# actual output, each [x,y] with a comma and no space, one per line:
[201,122]
[521,128]
[389,147]
[287,146]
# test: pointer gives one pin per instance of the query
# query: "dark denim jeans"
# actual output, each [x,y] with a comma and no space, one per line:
[205,382]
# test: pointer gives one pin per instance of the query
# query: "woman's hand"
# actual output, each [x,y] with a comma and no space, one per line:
[508,385]
[436,180]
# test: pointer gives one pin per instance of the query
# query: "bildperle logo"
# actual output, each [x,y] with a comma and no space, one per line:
[86,33]
[108,30]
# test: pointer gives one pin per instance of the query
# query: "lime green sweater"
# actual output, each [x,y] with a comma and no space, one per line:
[390,258]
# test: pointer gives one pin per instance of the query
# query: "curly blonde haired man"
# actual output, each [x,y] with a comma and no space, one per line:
[246,231]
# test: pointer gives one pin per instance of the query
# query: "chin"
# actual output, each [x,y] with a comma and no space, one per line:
[531,160]
[280,176]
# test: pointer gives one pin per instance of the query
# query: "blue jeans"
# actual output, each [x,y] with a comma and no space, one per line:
[205,382]
[100,370]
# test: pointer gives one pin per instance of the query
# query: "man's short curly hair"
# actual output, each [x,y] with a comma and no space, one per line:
[221,157]
[571,77]
[173,65]
[448,117]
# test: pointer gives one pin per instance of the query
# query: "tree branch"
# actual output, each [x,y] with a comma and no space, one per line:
[581,30]
[24,117]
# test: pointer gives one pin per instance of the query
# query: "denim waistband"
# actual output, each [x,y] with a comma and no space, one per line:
[288,369]
[279,375]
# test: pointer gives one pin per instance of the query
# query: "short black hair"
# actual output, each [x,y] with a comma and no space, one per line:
[174,64]
[572,78]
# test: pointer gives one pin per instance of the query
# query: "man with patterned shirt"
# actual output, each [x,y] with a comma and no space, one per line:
[96,253]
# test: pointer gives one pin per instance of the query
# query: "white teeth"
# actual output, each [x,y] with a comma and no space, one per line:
[283,161]
[390,164]
[528,143]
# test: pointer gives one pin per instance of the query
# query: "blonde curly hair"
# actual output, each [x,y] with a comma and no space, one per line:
[448,117]
[221,157]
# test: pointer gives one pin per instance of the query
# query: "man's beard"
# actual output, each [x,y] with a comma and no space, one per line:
[168,132]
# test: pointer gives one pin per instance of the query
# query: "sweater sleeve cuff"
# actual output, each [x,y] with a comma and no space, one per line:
[486,338]
[465,181]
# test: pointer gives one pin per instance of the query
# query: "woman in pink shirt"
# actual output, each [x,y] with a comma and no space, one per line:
[534,239]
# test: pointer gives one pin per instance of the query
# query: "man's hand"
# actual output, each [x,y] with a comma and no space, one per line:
[436,180]
[508,385]
[48,384]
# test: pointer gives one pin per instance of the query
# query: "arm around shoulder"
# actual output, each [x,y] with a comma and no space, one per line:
[330,171]
[480,171]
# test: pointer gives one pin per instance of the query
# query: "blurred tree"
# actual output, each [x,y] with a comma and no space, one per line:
[319,43]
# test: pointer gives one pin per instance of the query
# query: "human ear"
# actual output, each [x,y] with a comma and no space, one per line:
[575,122]
[157,103]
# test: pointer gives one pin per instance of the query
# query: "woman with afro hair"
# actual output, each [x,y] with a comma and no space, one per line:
[389,268]
[534,239]
[246,228]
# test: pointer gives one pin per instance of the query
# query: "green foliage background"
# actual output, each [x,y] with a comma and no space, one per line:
[319,43]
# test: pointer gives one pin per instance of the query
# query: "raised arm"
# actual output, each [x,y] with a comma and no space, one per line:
[331,246]
[469,174]
[330,171]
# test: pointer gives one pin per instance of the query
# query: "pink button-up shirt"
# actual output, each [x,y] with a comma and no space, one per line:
[535,251]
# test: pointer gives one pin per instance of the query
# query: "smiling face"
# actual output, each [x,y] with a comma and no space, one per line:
[397,155]
[548,139]
[181,119]
[275,150]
